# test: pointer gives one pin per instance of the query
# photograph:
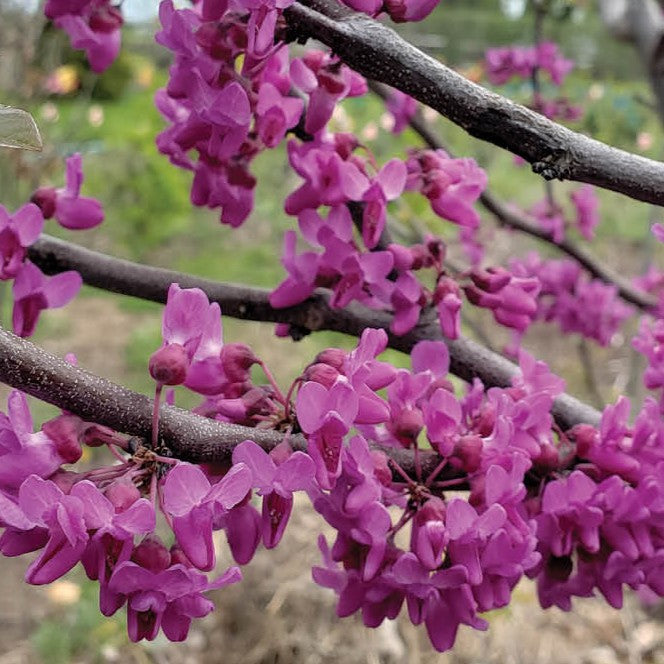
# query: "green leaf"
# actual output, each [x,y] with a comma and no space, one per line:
[18,129]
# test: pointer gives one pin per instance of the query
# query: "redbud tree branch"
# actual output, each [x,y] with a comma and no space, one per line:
[188,436]
[379,53]
[524,223]
[468,359]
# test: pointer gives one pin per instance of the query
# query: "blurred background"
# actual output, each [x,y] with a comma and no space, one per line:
[277,614]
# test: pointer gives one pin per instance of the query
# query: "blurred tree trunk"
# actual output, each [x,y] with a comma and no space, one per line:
[642,23]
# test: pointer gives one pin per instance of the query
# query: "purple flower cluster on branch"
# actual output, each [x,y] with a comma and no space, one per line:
[525,513]
[93,26]
[442,498]
[32,290]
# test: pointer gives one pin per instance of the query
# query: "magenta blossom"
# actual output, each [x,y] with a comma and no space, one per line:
[165,598]
[658,231]
[70,209]
[192,334]
[326,416]
[327,81]
[33,292]
[587,210]
[24,453]
[402,107]
[92,25]
[276,476]
[17,233]
[192,502]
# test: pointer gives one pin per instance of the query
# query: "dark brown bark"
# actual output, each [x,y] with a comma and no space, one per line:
[376,51]
[468,359]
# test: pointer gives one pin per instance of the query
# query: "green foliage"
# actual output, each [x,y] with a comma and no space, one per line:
[79,630]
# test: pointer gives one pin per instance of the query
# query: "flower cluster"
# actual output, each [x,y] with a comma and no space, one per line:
[567,296]
[650,342]
[505,62]
[93,26]
[551,218]
[526,62]
[405,535]
[382,276]
[441,500]
[32,290]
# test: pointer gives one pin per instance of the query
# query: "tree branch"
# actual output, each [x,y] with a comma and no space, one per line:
[524,223]
[376,51]
[467,358]
[188,436]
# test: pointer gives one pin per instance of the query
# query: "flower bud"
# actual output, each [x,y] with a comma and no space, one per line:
[151,554]
[324,374]
[65,479]
[335,357]
[403,257]
[491,280]
[106,19]
[169,365]
[122,494]
[429,535]
[468,450]
[236,360]
[586,437]
[44,199]
[381,467]
[548,459]
[178,557]
[406,426]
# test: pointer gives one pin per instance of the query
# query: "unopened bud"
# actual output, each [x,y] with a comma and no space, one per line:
[491,280]
[169,365]
[44,199]
[468,450]
[381,468]
[586,437]
[406,426]
[335,357]
[122,495]
[324,374]
[548,459]
[151,554]
[236,360]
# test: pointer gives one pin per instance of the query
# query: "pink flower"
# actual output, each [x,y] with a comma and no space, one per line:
[191,330]
[33,292]
[402,107]
[70,209]
[326,416]
[192,502]
[587,210]
[17,233]
[658,231]
[24,453]
[166,599]
[92,26]
[276,476]
[327,81]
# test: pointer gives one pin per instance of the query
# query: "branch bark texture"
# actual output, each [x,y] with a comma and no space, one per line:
[188,436]
[376,51]
[467,358]
[507,216]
